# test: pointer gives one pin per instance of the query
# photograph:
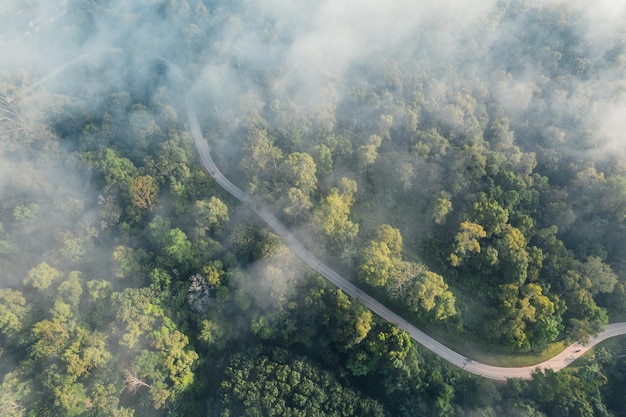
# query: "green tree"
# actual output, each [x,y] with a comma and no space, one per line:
[166,368]
[210,215]
[332,219]
[105,401]
[277,383]
[512,252]
[323,157]
[86,352]
[74,245]
[601,277]
[490,215]
[71,290]
[16,396]
[380,256]
[299,170]
[130,261]
[366,156]
[42,276]
[467,241]
[13,312]
[377,264]
[441,208]
[431,145]
[136,312]
[116,171]
[50,338]
[429,293]
[391,237]
[175,250]
[298,203]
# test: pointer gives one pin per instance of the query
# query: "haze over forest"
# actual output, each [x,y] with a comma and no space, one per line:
[463,162]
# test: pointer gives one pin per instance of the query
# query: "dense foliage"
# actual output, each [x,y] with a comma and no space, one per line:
[469,193]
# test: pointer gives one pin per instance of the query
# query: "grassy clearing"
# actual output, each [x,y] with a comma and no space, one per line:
[617,317]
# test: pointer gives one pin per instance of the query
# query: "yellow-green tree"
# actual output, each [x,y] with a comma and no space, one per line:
[143,192]
[467,241]
[429,294]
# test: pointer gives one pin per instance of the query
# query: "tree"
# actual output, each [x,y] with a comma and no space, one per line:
[513,254]
[210,215]
[405,172]
[467,241]
[262,160]
[391,237]
[350,322]
[199,295]
[377,264]
[136,312]
[403,276]
[214,333]
[490,215]
[165,368]
[117,171]
[5,246]
[130,261]
[471,162]
[441,208]
[13,311]
[42,276]
[323,157]
[15,395]
[366,156]
[175,250]
[133,382]
[431,145]
[50,338]
[86,352]
[332,218]
[143,192]
[177,357]
[380,256]
[298,203]
[299,171]
[75,244]
[601,277]
[105,401]
[383,352]
[563,394]
[429,293]
[71,290]
[264,382]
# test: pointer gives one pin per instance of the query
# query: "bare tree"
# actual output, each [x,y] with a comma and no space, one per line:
[199,295]
[133,382]
[403,276]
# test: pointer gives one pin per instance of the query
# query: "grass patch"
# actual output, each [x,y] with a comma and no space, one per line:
[617,316]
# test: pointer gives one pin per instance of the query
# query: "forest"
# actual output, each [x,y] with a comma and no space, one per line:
[463,164]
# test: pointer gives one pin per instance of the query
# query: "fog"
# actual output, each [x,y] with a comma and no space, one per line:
[306,58]
[305,50]
[555,70]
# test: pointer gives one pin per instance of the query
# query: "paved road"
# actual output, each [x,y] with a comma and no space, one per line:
[557,363]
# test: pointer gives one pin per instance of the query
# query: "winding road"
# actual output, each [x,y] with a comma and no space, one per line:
[556,363]
[560,361]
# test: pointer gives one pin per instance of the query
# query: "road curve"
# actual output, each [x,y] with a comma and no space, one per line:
[557,363]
